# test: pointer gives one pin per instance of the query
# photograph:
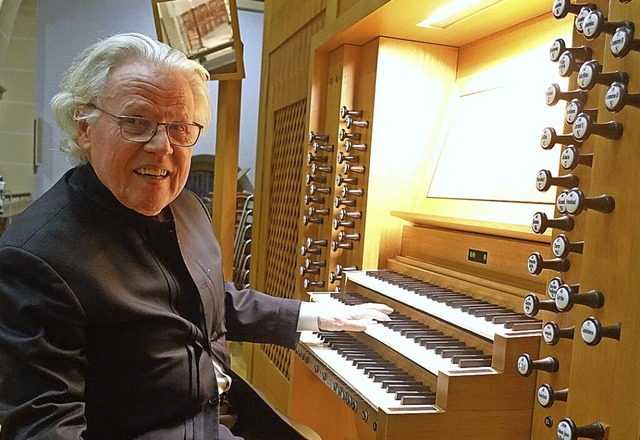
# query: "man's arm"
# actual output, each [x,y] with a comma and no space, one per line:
[42,360]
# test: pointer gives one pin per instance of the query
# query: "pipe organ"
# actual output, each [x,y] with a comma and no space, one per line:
[515,313]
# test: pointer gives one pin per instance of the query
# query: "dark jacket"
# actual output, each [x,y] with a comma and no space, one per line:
[97,337]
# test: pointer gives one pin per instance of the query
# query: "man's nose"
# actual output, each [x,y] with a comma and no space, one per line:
[159,142]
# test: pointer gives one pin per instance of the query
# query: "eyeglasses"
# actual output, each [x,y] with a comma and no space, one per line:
[137,129]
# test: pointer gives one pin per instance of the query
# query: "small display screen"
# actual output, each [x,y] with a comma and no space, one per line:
[477,256]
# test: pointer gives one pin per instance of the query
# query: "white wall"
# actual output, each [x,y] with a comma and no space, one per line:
[65,27]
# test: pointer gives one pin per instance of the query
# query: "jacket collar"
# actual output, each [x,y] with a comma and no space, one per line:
[84,179]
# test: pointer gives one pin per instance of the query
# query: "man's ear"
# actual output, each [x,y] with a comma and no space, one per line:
[83,126]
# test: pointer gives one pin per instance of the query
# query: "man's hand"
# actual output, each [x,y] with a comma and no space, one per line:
[352,318]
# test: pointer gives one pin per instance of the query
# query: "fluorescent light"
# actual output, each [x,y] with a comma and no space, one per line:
[455,11]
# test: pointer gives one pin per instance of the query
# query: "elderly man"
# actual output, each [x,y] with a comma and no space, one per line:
[113,309]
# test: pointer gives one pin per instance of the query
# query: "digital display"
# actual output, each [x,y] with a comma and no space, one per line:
[477,256]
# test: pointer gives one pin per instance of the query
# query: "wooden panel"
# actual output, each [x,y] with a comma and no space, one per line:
[470,392]
[225,175]
[482,424]
[506,262]
[285,189]
[284,82]
[268,378]
[284,19]
[368,19]
[394,84]
[512,60]
[602,379]
[562,351]
[281,139]
[608,265]
[412,83]
[309,403]
[334,83]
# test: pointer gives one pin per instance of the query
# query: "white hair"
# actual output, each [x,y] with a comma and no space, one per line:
[88,75]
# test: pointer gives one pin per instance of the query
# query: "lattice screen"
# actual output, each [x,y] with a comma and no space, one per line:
[289,148]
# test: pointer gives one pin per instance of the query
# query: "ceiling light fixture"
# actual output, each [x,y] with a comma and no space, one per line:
[455,11]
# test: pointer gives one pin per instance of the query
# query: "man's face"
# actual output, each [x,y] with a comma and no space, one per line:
[144,177]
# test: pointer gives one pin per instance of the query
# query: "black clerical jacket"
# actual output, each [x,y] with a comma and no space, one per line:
[96,338]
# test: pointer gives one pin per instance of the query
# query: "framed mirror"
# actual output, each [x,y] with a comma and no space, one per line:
[206,31]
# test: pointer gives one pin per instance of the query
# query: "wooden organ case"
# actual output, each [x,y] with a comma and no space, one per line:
[591,325]
[462,356]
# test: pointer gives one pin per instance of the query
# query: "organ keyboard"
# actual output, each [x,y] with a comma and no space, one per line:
[445,363]
[472,314]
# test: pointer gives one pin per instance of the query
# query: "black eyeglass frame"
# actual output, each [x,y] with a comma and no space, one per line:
[154,124]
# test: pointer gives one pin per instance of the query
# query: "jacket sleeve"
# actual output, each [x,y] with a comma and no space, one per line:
[42,359]
[254,316]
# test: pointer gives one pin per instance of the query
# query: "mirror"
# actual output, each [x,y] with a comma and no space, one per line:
[206,31]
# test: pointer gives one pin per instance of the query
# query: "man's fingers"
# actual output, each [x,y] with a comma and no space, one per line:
[376,311]
[353,318]
[369,315]
[382,308]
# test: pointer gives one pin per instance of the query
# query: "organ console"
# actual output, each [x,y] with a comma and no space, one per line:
[482,342]
[437,339]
